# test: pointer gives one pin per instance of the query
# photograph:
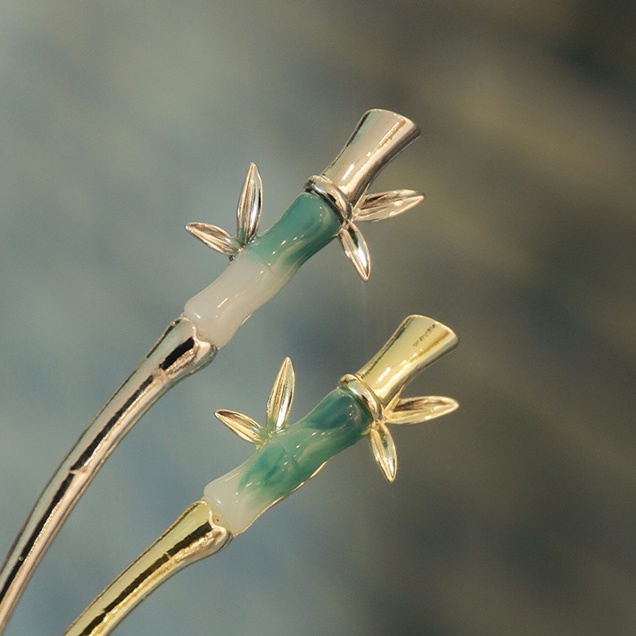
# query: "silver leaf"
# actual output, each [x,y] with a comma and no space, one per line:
[383,205]
[356,249]
[214,237]
[248,212]
[281,397]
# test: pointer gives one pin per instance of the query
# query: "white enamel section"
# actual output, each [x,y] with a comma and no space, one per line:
[236,512]
[222,307]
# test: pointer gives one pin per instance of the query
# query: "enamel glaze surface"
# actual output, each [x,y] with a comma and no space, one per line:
[263,268]
[222,307]
[287,460]
[308,225]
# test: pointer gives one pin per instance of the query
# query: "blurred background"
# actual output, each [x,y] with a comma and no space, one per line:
[120,121]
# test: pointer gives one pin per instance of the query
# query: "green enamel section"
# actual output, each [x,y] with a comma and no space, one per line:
[308,225]
[293,455]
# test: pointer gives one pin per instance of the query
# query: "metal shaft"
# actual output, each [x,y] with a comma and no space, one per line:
[193,536]
[177,353]
[219,310]
[286,457]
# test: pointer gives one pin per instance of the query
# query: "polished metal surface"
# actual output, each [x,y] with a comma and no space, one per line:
[178,353]
[379,137]
[248,216]
[122,121]
[362,391]
[278,406]
[417,343]
[185,347]
[231,503]
[193,536]
[328,190]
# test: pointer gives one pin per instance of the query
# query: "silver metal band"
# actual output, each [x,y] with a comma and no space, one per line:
[378,138]
[335,197]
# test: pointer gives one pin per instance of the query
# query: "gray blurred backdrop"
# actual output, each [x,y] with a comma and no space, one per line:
[120,121]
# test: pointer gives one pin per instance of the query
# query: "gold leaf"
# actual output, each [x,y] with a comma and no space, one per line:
[245,427]
[421,409]
[383,448]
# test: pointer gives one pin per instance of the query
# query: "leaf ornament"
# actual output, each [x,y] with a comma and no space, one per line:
[245,427]
[248,215]
[281,397]
[383,448]
[420,409]
[404,411]
[278,407]
[385,205]
[214,237]
[248,211]
[373,207]
[356,249]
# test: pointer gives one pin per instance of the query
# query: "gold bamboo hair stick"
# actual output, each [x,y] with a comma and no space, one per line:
[363,405]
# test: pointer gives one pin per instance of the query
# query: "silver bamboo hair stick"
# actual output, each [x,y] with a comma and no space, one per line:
[330,205]
[286,457]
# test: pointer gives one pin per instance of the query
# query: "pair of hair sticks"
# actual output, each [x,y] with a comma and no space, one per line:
[287,455]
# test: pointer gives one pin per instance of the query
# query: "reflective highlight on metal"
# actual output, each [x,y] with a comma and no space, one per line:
[325,188]
[260,267]
[379,137]
[418,342]
[177,353]
[193,536]
[287,456]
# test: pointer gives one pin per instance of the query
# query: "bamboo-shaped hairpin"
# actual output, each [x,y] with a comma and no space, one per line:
[331,205]
[287,456]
